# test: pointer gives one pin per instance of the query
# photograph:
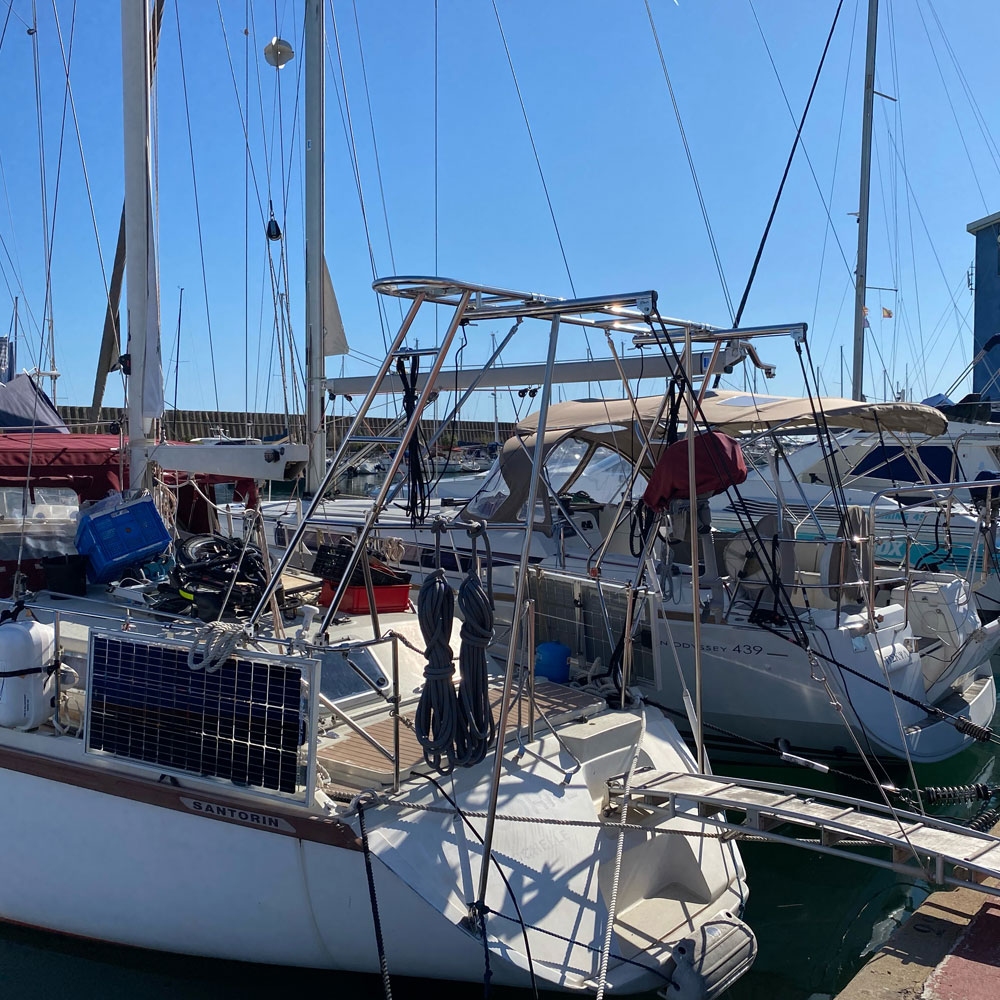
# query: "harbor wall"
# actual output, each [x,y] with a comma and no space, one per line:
[183,425]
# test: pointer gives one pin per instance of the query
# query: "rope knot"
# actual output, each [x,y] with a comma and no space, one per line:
[216,643]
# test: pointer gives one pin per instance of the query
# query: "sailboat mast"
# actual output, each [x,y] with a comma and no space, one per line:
[315,260]
[138,224]
[861,275]
[11,366]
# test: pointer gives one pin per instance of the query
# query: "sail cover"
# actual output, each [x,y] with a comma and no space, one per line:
[734,411]
[23,406]
[718,464]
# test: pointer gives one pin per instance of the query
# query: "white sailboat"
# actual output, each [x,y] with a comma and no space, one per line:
[905,649]
[273,792]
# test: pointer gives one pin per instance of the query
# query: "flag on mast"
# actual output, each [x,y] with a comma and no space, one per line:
[886,313]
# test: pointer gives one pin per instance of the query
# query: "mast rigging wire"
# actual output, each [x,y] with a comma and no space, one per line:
[378,165]
[788,166]
[197,207]
[286,314]
[833,181]
[691,167]
[951,105]
[66,57]
[243,118]
[46,241]
[246,231]
[826,205]
[534,148]
[353,150]
[6,21]
[541,174]
[991,144]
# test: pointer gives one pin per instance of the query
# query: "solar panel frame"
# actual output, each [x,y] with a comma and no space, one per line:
[252,718]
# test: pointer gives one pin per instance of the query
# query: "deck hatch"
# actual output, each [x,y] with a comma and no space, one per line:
[246,722]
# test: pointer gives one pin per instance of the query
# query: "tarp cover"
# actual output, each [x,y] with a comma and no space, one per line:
[24,404]
[718,464]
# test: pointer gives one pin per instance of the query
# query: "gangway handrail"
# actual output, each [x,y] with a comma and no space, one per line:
[804,807]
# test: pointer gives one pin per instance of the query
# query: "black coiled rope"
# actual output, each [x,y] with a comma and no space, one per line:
[455,728]
[437,710]
[475,727]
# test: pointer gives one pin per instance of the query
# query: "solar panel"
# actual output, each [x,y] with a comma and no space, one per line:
[244,722]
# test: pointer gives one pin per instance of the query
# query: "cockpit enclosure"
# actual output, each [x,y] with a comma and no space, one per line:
[577,466]
[594,456]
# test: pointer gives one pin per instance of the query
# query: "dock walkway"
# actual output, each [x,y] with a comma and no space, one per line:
[949,949]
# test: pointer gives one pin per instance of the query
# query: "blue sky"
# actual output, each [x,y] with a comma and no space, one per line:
[608,144]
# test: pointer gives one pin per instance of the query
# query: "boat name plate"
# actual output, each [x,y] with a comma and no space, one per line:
[247,816]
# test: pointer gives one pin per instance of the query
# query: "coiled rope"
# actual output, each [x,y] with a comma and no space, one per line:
[215,644]
[437,711]
[475,727]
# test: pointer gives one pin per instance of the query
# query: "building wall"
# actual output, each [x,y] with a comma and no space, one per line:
[987,310]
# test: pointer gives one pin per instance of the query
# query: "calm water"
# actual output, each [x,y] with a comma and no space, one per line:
[816,919]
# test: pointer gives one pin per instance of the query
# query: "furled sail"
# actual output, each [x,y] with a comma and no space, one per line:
[334,337]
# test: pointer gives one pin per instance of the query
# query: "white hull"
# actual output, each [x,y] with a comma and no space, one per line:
[201,867]
[761,689]
[741,667]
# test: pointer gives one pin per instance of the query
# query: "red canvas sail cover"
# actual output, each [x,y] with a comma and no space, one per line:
[718,464]
[92,465]
[87,463]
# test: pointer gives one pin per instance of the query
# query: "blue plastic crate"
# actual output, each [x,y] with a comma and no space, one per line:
[115,534]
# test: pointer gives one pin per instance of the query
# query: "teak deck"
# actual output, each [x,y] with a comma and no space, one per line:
[351,756]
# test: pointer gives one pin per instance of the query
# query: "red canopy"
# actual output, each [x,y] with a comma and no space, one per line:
[718,464]
[92,465]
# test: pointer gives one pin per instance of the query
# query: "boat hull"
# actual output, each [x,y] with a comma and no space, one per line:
[128,860]
[816,708]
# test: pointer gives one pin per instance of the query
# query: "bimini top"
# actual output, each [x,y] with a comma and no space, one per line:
[732,411]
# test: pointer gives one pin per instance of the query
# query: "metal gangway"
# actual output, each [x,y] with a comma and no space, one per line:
[937,850]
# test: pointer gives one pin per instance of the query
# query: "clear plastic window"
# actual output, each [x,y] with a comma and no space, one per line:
[48,502]
[491,496]
[605,477]
[562,461]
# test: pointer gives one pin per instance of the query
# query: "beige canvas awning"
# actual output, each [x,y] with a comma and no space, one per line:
[732,412]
